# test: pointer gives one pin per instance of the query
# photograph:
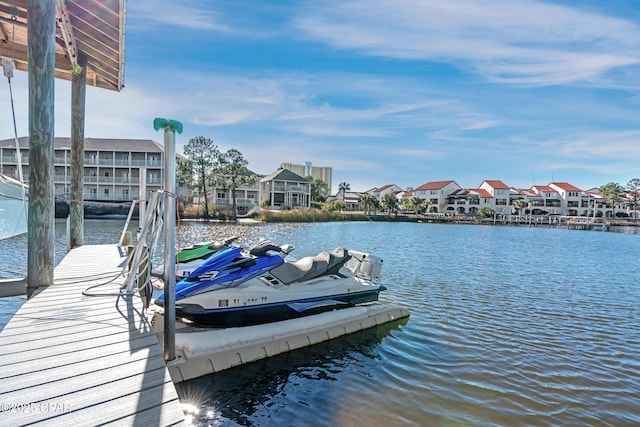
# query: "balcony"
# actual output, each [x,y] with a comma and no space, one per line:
[291,188]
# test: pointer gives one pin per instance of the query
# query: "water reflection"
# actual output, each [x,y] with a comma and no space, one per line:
[256,393]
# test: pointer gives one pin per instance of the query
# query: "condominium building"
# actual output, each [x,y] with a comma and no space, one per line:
[115,170]
[320,172]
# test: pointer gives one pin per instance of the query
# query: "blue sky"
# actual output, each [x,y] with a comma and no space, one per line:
[386,92]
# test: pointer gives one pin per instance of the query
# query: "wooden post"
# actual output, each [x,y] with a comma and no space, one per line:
[78,96]
[41,27]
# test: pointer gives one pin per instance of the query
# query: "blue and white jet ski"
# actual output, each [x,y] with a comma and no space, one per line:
[236,287]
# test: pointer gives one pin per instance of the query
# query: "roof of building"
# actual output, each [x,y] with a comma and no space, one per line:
[565,186]
[481,192]
[434,185]
[525,192]
[546,188]
[95,144]
[384,187]
[496,184]
[464,192]
[284,175]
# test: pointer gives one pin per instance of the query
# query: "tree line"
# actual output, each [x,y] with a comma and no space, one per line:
[207,166]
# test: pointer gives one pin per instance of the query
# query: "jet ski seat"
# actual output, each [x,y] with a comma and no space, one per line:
[310,267]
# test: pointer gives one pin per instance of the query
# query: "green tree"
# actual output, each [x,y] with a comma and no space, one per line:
[233,172]
[343,187]
[520,204]
[337,206]
[184,173]
[389,203]
[405,204]
[319,189]
[418,203]
[486,212]
[633,188]
[368,202]
[204,156]
[614,193]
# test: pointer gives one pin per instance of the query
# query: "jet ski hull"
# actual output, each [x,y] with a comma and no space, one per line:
[224,317]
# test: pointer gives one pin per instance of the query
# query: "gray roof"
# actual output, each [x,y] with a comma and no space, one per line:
[284,175]
[95,144]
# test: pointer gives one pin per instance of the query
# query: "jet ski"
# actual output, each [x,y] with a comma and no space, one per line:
[238,287]
[191,257]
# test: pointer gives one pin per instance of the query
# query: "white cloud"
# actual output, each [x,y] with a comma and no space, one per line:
[167,13]
[524,42]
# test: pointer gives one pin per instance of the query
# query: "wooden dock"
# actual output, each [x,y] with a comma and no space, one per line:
[71,359]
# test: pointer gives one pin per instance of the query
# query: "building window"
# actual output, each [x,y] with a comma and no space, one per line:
[106,192]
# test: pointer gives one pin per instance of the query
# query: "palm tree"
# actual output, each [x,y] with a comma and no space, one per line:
[368,201]
[633,188]
[343,187]
[614,194]
[520,204]
[486,212]
[417,203]
[389,203]
[406,204]
[319,189]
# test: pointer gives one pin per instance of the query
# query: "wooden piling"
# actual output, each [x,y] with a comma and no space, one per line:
[41,26]
[78,96]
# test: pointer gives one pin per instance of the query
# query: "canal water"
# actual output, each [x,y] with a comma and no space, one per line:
[509,326]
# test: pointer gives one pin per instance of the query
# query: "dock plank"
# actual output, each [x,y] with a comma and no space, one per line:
[72,359]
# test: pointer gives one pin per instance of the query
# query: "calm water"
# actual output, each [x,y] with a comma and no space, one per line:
[509,326]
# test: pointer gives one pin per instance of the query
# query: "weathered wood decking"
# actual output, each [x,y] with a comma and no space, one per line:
[70,359]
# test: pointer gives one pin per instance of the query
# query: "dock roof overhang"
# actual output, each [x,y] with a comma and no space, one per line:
[95,28]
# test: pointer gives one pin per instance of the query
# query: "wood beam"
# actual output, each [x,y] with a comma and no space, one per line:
[66,30]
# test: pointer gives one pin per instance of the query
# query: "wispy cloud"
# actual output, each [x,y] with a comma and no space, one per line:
[170,14]
[595,145]
[522,42]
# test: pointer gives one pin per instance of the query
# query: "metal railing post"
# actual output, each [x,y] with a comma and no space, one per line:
[169,276]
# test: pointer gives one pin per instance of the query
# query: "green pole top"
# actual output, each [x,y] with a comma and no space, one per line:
[174,125]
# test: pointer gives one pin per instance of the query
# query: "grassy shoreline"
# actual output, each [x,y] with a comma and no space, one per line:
[303,216]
